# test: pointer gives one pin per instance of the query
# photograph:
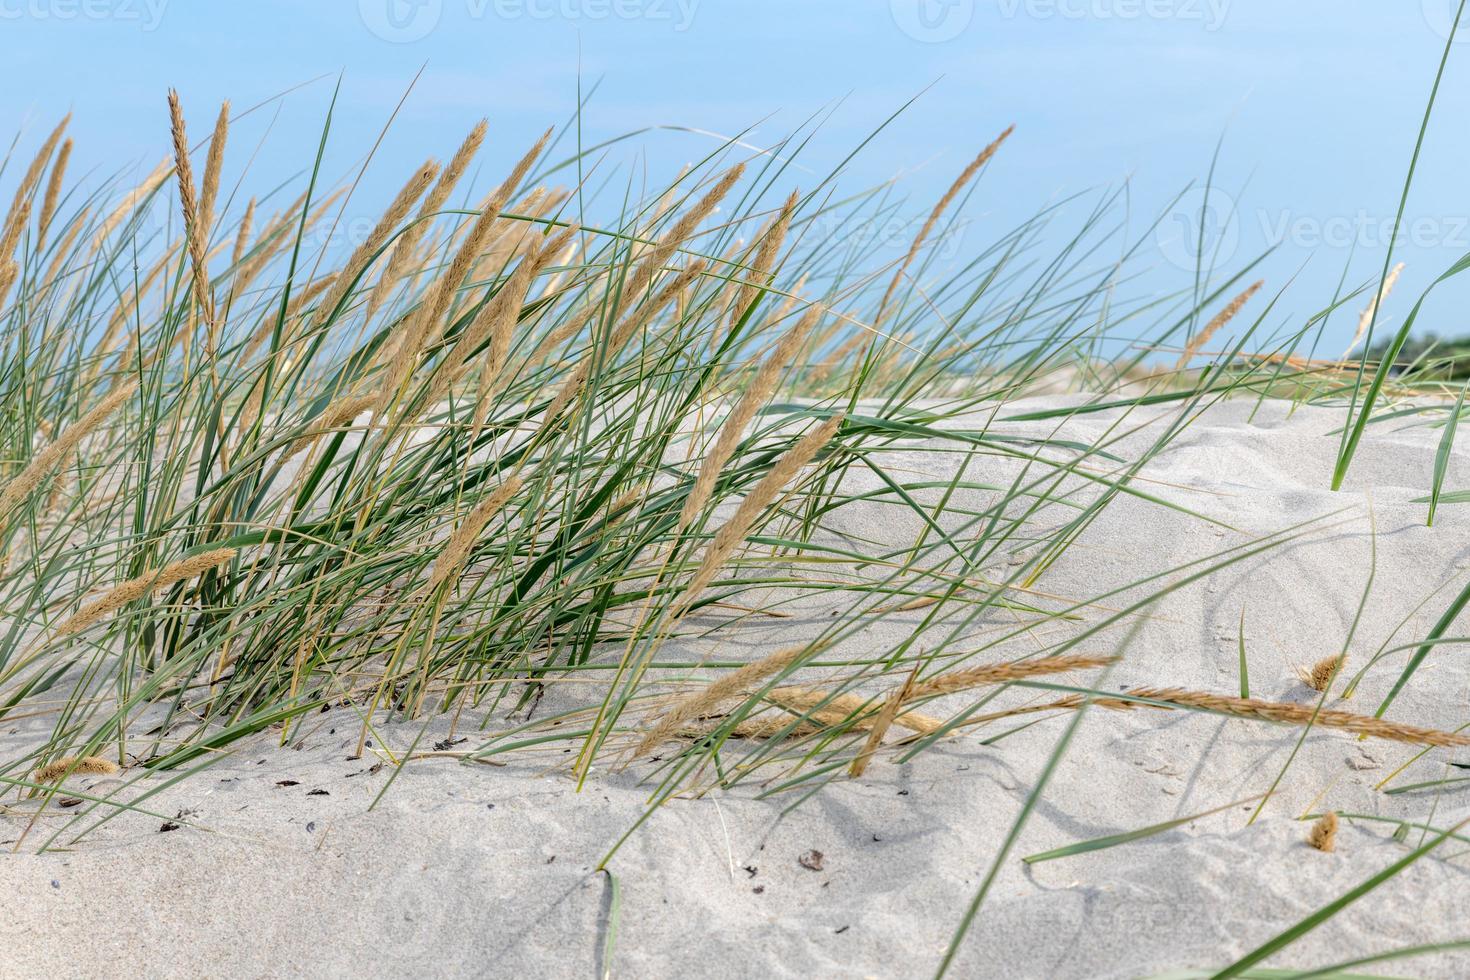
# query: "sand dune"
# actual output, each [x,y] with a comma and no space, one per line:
[283,866]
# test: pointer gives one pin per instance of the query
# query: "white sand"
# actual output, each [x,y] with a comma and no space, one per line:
[472,870]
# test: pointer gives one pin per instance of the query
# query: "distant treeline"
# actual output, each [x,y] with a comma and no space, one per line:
[1439,357]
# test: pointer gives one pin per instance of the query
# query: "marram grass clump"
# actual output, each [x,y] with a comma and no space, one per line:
[532,432]
[717,480]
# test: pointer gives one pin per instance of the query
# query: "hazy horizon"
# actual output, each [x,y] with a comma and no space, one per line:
[1315,107]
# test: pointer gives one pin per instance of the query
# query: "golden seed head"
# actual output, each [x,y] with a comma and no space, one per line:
[87,765]
[1323,835]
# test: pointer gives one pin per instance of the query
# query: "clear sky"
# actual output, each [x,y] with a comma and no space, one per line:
[1318,101]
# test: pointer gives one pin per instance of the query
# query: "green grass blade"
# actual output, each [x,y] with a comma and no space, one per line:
[1245,671]
[1350,444]
[1113,840]
[1442,454]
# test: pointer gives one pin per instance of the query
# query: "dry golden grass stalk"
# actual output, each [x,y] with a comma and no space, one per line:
[553,282]
[842,351]
[393,217]
[1288,714]
[420,327]
[792,298]
[648,267]
[728,264]
[242,235]
[1219,320]
[194,232]
[131,200]
[768,726]
[963,680]
[628,497]
[703,703]
[1070,702]
[310,294]
[909,605]
[457,551]
[20,205]
[278,237]
[496,321]
[756,394]
[562,332]
[765,256]
[53,194]
[1365,319]
[403,248]
[20,210]
[733,531]
[944,202]
[275,234]
[668,293]
[882,723]
[643,275]
[213,165]
[662,208]
[502,319]
[70,765]
[1323,835]
[25,483]
[455,171]
[1320,674]
[781,725]
[9,272]
[64,250]
[621,334]
[515,236]
[635,283]
[845,709]
[333,417]
[256,263]
[136,588]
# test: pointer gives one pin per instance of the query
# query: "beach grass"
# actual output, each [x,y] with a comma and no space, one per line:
[539,435]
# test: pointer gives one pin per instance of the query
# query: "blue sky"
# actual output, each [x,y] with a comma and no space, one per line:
[1318,101]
